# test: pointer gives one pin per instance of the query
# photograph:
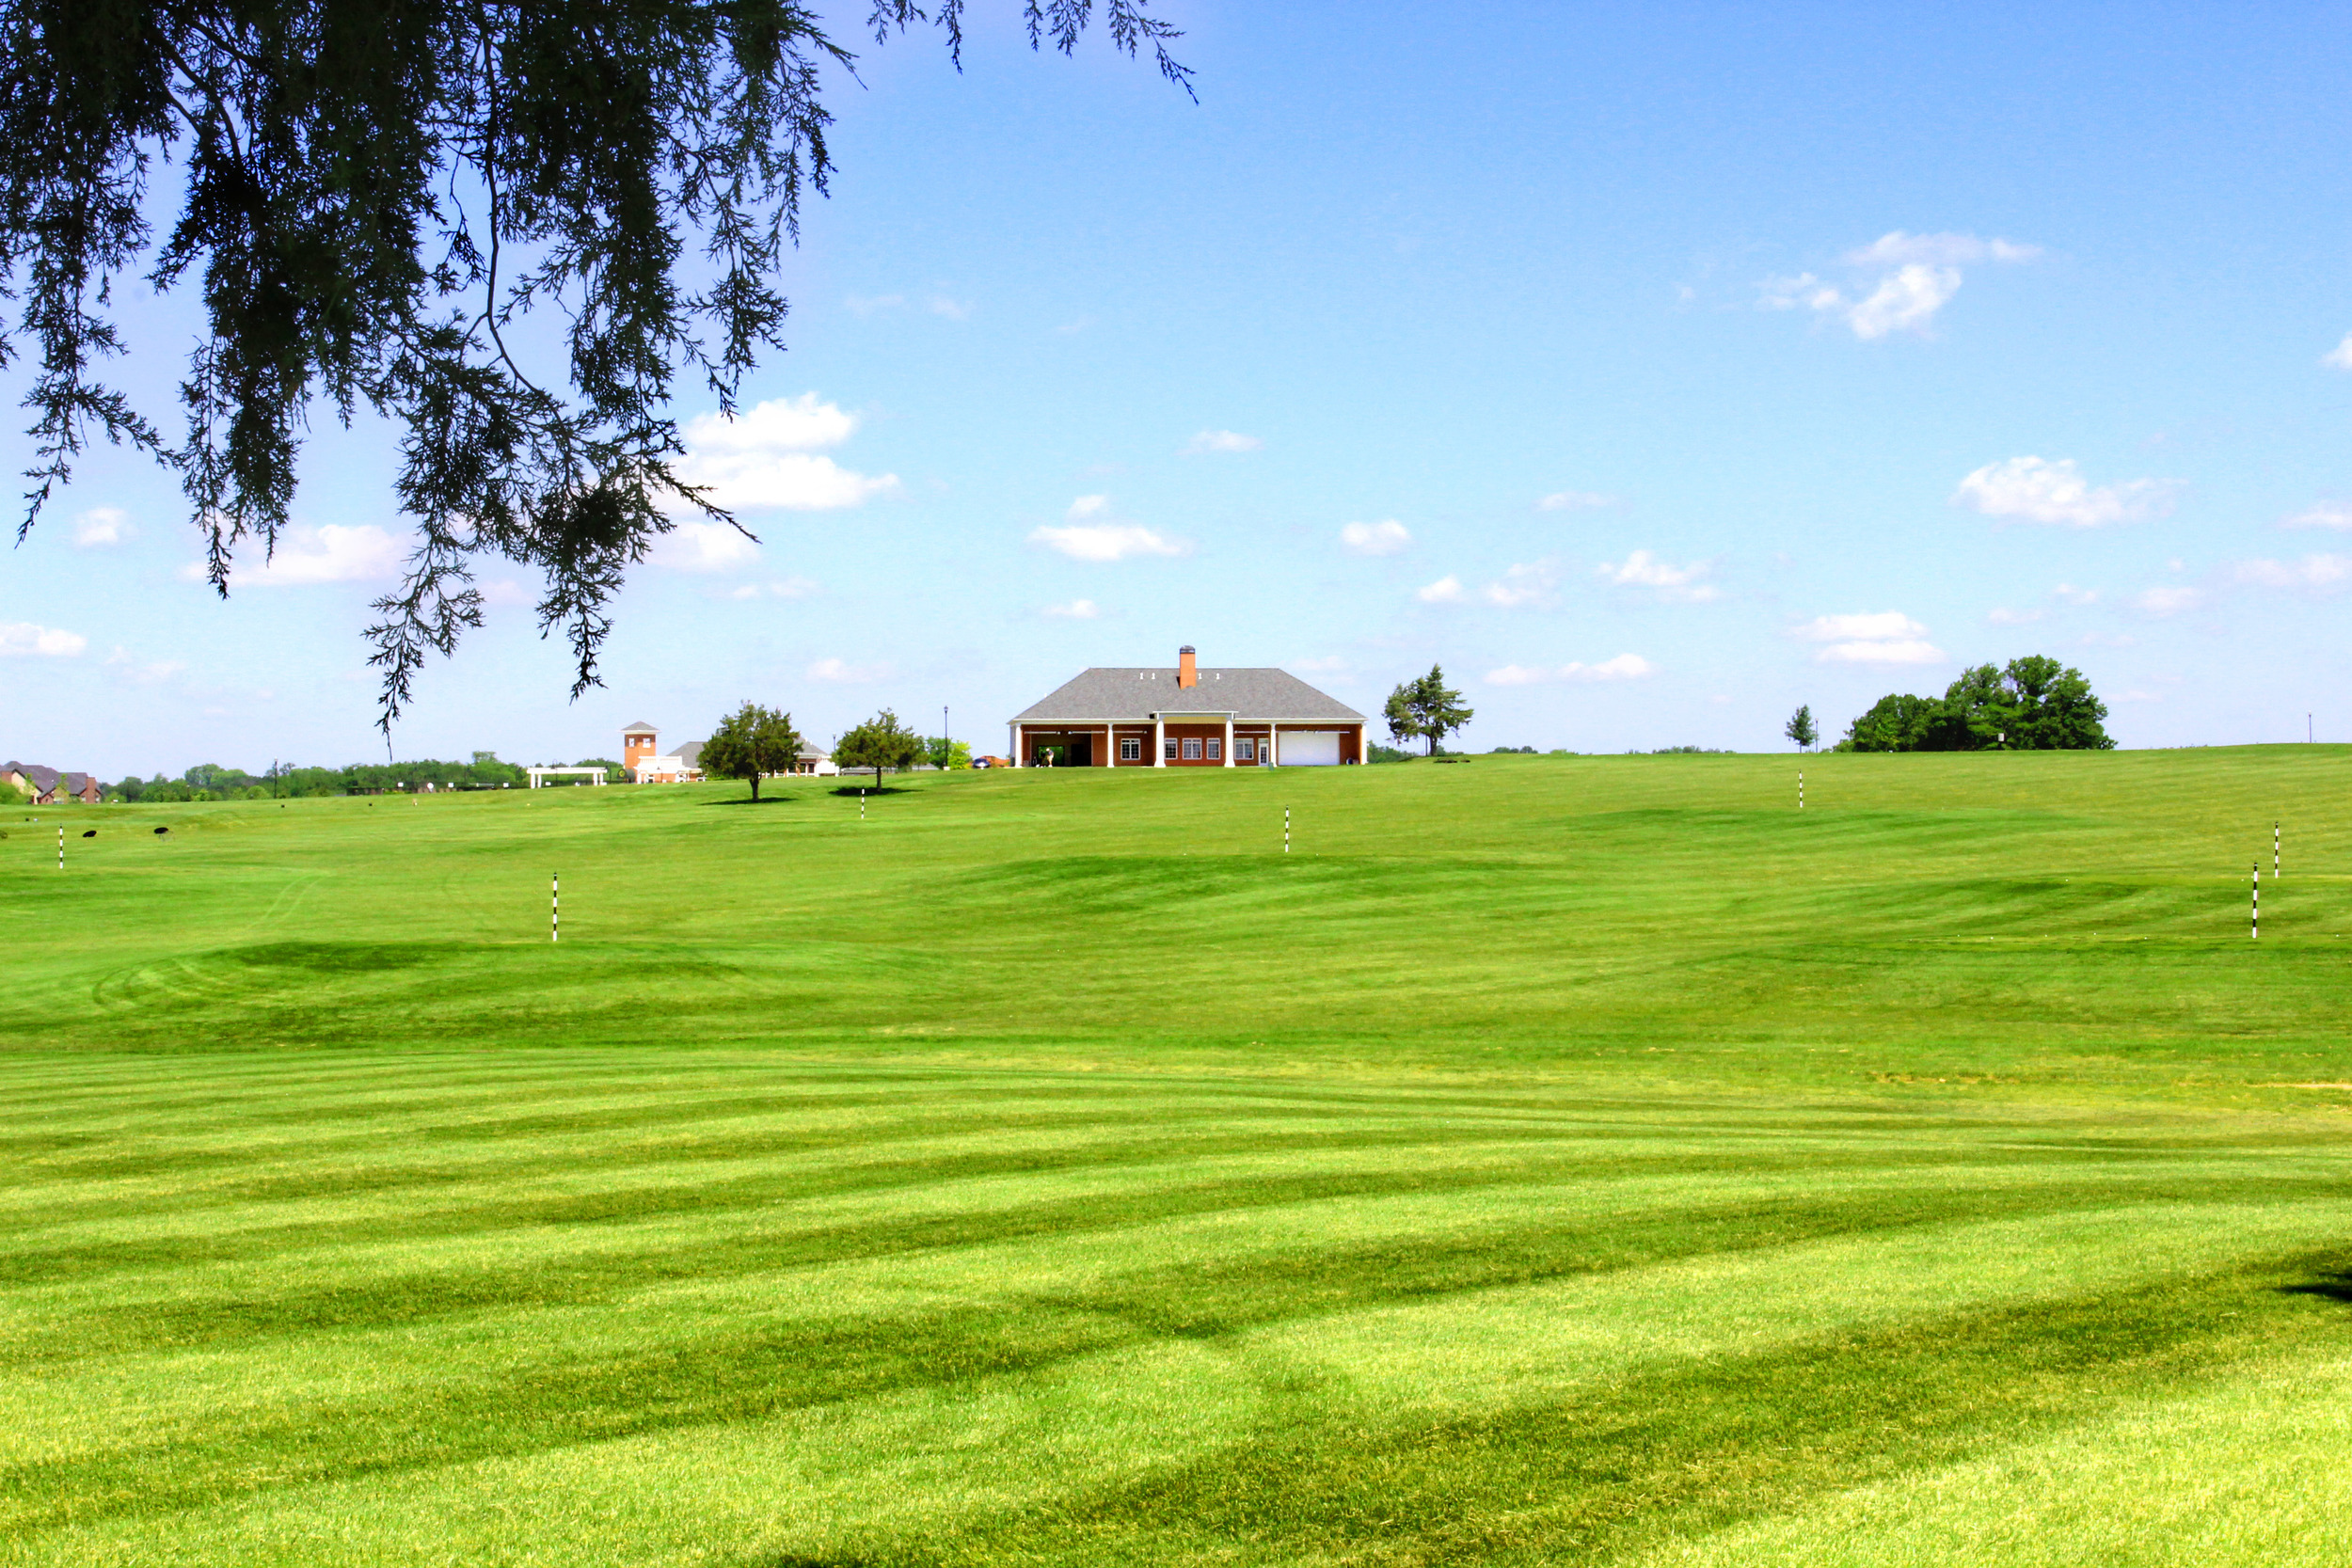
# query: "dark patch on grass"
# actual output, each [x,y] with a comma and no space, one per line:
[2333,1287]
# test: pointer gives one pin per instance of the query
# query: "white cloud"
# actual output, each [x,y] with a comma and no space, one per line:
[1885,636]
[1105,541]
[1219,441]
[1530,584]
[1643,570]
[2312,570]
[2340,356]
[22,638]
[100,527]
[2169,601]
[1446,590]
[1918,276]
[1574,500]
[789,588]
[698,545]
[766,456]
[1624,667]
[2014,617]
[2037,491]
[843,672]
[2072,595]
[1088,506]
[2334,515]
[1891,651]
[1938,250]
[1384,537]
[331,553]
[144,673]
[954,310]
[1840,628]
[1906,300]
[1077,610]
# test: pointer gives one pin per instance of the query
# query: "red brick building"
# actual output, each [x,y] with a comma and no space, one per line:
[1188,717]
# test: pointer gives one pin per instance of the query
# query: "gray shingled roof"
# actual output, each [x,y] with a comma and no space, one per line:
[1133,695]
[640,725]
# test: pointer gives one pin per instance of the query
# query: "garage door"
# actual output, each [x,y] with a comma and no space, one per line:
[1312,749]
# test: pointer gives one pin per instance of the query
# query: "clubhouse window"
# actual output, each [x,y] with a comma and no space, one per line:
[1216,749]
[1245,749]
[1168,749]
[1192,748]
[1131,751]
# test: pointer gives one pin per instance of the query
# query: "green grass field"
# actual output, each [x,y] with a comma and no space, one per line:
[1551,1158]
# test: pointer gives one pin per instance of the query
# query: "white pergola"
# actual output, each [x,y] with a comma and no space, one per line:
[538,774]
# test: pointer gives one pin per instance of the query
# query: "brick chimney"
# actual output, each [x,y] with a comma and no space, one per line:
[1187,674]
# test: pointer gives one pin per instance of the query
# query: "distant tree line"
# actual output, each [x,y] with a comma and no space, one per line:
[2032,704]
[284,780]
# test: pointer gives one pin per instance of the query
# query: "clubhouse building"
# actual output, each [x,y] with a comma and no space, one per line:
[1188,717]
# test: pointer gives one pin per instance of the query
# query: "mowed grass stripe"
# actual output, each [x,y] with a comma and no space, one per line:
[1439,1194]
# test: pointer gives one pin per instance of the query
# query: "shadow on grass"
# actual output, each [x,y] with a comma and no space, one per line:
[747,801]
[2334,1287]
[854,790]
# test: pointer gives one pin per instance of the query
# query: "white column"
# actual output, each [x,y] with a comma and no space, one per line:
[1014,730]
[1159,741]
[1273,752]
[1229,740]
[1110,745]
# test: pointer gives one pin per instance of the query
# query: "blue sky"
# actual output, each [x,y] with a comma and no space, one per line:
[1653,369]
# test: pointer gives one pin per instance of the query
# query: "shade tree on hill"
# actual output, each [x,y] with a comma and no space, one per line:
[1426,709]
[945,753]
[751,743]
[2033,704]
[882,743]
[1800,728]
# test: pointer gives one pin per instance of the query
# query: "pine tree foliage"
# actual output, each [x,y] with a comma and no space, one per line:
[378,195]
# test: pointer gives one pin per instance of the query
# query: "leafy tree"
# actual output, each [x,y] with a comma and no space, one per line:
[749,743]
[1800,728]
[1404,723]
[881,742]
[379,192]
[1435,711]
[2053,708]
[2033,704]
[1896,723]
[944,753]
[614,772]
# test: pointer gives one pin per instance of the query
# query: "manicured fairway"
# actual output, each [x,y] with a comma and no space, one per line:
[1548,1160]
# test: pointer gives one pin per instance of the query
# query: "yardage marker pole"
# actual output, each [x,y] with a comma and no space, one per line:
[61,848]
[1286,833]
[1801,789]
[555,906]
[860,805]
[2255,932]
[2274,851]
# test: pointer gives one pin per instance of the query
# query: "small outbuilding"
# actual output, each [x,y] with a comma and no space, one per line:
[1188,717]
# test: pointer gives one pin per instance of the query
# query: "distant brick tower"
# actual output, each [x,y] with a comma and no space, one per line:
[637,745]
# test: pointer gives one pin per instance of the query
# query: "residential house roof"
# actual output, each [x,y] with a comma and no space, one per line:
[1134,695]
[43,778]
[641,727]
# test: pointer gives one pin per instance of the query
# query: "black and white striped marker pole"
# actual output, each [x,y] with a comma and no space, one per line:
[61,848]
[555,906]
[860,805]
[1286,830]
[2255,931]
[2274,851]
[1801,789]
